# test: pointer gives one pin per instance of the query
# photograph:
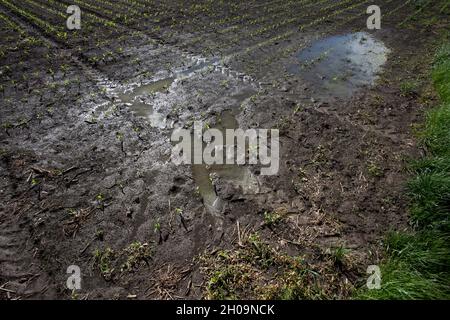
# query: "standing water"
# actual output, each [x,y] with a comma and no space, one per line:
[339,65]
[239,176]
[140,108]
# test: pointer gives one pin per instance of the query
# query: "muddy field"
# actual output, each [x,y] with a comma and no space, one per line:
[86,117]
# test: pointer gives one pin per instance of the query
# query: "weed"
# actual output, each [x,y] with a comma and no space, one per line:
[100,235]
[103,259]
[338,255]
[157,230]
[157,227]
[136,252]
[110,262]
[408,88]
[374,170]
[271,218]
[256,270]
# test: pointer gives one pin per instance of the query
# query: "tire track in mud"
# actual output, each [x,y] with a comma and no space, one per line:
[21,276]
[21,273]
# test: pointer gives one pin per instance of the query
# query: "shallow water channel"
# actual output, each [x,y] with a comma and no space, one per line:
[239,176]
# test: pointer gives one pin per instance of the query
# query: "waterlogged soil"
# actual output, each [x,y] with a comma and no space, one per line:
[86,175]
[340,65]
[208,177]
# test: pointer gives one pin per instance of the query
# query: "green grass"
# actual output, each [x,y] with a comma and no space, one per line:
[417,265]
[441,75]
[430,195]
[436,135]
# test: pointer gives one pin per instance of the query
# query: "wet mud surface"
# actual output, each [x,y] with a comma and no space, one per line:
[86,176]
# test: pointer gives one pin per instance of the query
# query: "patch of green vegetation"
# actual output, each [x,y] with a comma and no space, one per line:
[441,74]
[338,255]
[225,84]
[284,124]
[417,264]
[436,135]
[7,125]
[416,267]
[320,157]
[109,261]
[103,259]
[409,88]
[100,235]
[258,271]
[430,194]
[3,152]
[374,170]
[100,197]
[271,218]
[135,253]
[157,227]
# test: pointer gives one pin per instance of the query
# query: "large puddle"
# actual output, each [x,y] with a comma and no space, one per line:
[137,96]
[339,65]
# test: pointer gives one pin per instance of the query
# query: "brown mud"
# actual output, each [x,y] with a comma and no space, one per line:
[86,177]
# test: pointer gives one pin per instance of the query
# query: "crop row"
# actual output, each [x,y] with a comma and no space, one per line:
[246,34]
[50,18]
[272,11]
[106,23]
[43,24]
[292,32]
[415,13]
[248,22]
[14,37]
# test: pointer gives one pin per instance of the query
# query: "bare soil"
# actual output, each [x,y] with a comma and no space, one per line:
[86,171]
